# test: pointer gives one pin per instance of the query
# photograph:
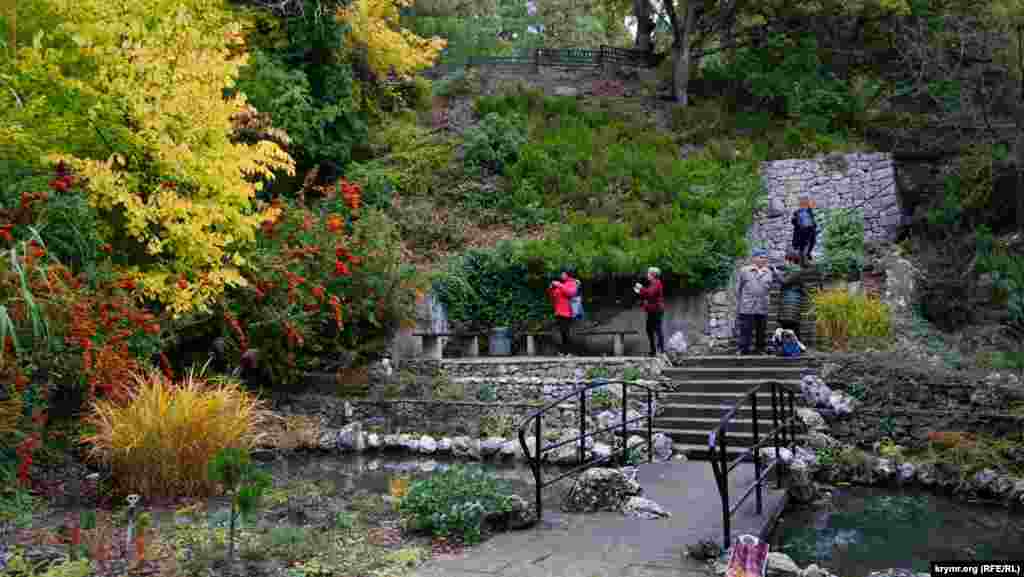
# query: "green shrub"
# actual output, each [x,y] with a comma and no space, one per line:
[1007,269]
[619,196]
[787,71]
[843,242]
[455,502]
[494,142]
[485,288]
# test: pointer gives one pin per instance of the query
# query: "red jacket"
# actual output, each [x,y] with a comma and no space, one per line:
[653,296]
[560,296]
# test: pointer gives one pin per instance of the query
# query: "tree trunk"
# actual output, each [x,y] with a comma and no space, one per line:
[644,25]
[681,55]
[727,33]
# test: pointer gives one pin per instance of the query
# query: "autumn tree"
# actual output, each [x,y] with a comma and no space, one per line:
[375,27]
[130,94]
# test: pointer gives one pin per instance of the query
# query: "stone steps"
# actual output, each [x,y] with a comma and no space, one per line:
[704,389]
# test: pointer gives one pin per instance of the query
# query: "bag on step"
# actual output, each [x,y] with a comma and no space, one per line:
[748,557]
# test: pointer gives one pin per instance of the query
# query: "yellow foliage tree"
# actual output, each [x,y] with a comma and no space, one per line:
[131,94]
[389,47]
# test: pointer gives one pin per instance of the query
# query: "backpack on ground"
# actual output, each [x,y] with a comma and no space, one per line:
[576,303]
[805,218]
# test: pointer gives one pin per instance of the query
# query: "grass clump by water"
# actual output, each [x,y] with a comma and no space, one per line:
[160,441]
[455,503]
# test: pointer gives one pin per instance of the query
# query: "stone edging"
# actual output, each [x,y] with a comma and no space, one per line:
[352,439]
[875,470]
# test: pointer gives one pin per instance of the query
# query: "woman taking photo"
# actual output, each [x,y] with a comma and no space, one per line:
[652,300]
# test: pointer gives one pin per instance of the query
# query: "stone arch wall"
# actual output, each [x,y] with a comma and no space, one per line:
[859,180]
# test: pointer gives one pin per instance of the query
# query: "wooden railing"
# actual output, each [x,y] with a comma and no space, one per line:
[783,429]
[573,58]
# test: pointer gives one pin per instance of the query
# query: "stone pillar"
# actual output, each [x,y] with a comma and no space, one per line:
[531,346]
[617,344]
[473,346]
[433,347]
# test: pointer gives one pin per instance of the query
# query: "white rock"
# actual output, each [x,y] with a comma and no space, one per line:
[813,570]
[815,391]
[427,445]
[373,441]
[644,509]
[509,449]
[811,418]
[780,565]
[392,442]
[408,442]
[444,445]
[841,403]
[662,447]
[905,472]
[677,343]
[785,455]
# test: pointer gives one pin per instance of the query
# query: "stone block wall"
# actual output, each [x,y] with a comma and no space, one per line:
[861,180]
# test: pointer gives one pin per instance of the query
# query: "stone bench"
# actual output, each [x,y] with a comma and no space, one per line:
[433,347]
[618,338]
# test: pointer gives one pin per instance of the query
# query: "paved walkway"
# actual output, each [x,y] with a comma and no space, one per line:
[612,545]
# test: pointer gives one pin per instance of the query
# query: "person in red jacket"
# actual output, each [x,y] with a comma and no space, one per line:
[652,299]
[561,292]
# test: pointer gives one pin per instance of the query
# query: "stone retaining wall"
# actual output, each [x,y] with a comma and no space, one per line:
[865,181]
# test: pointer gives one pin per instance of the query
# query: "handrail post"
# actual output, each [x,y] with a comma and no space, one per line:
[625,437]
[724,489]
[583,424]
[536,463]
[757,453]
[775,435]
[789,424]
[650,426]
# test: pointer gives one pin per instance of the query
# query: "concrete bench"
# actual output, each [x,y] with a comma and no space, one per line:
[433,347]
[618,338]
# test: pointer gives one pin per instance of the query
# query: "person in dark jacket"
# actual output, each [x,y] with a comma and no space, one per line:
[652,299]
[561,293]
[805,230]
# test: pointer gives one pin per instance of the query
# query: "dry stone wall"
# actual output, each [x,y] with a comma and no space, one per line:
[861,180]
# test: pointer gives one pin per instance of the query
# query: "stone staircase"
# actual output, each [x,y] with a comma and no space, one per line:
[705,388]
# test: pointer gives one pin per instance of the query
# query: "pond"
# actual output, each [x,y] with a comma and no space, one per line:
[869,529]
[381,473]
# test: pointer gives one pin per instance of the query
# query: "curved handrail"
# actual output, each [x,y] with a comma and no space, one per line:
[535,457]
[575,393]
[718,441]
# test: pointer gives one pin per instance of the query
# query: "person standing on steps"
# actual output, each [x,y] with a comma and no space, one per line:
[805,230]
[561,293]
[652,300]
[753,288]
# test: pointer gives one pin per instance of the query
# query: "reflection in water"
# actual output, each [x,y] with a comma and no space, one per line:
[874,529]
[388,474]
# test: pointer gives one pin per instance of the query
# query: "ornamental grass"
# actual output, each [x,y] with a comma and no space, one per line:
[158,442]
[848,321]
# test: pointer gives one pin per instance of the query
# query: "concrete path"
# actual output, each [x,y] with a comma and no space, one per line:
[612,545]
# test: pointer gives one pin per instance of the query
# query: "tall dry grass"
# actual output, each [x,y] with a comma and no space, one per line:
[159,441]
[851,321]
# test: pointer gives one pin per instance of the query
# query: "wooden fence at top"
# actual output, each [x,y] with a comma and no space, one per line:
[572,58]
